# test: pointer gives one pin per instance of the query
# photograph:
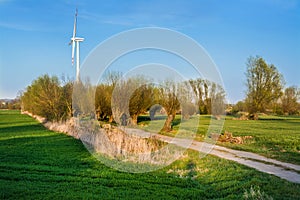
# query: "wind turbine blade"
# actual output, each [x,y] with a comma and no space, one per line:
[75,21]
[73,50]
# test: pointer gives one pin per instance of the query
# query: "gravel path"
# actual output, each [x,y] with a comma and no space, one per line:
[287,171]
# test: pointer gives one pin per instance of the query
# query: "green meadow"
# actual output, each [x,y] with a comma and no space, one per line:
[272,136]
[36,163]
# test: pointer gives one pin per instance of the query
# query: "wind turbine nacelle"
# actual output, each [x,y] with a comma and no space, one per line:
[78,39]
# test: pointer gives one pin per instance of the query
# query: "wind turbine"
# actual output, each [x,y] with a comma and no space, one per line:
[75,44]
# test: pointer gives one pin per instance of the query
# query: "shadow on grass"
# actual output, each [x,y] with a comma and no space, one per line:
[43,149]
[142,118]
[49,165]
[176,122]
[21,129]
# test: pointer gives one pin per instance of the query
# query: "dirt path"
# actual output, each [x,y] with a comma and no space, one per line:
[287,171]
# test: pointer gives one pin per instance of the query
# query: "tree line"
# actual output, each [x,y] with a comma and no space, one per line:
[10,104]
[266,91]
[116,98]
[122,101]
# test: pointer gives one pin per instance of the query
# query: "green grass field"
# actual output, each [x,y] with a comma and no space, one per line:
[274,137]
[39,164]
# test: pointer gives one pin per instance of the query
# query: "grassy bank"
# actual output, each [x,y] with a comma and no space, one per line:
[41,164]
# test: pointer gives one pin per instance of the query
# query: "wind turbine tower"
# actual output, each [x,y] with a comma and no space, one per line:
[75,44]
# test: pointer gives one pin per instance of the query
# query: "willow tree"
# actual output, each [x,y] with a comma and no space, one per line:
[103,95]
[169,100]
[130,98]
[264,85]
[66,99]
[210,96]
[103,101]
[44,97]
[140,101]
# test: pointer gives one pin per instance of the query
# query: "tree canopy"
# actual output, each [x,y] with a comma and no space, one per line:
[47,98]
[119,99]
[264,84]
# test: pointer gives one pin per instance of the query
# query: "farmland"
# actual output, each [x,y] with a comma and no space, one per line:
[41,164]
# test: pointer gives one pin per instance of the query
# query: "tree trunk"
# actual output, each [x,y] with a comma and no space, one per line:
[134,118]
[168,123]
[110,120]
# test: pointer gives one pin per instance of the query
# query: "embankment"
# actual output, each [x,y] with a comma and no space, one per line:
[111,141]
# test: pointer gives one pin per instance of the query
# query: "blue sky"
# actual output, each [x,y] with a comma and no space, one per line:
[34,35]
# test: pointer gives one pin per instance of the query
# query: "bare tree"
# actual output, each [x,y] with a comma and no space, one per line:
[84,99]
[217,96]
[290,100]
[210,96]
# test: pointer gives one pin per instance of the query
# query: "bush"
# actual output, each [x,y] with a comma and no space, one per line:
[47,98]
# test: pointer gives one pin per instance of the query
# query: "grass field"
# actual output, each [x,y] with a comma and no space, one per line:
[274,137]
[41,164]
